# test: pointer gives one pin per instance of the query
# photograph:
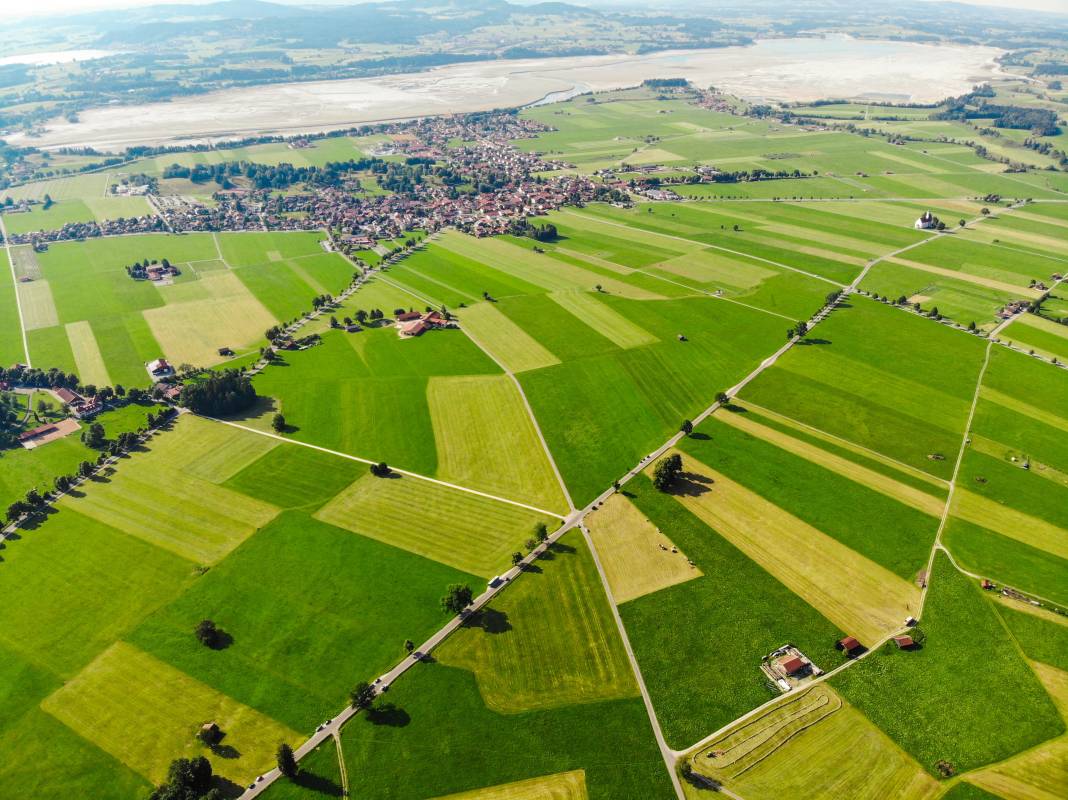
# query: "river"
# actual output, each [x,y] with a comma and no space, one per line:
[772,69]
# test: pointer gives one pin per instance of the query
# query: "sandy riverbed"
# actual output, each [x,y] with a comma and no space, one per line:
[780,69]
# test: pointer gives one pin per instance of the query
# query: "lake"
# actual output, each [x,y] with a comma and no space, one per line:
[772,69]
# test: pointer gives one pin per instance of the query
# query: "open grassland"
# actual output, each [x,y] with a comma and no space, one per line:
[365,393]
[812,745]
[604,319]
[638,559]
[465,531]
[807,560]
[604,408]
[1042,772]
[11,349]
[561,786]
[293,477]
[193,518]
[699,643]
[880,473]
[146,713]
[516,349]
[1045,337]
[1041,634]
[485,438]
[967,659]
[320,775]
[549,641]
[888,521]
[881,378]
[310,609]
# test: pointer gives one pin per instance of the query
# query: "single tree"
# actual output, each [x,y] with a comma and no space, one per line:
[278,422]
[207,633]
[94,437]
[541,532]
[517,557]
[686,427]
[409,646]
[722,398]
[287,762]
[667,471]
[457,597]
[362,696]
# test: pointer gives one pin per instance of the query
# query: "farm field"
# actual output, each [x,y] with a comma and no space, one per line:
[862,483]
[892,382]
[608,740]
[84,314]
[967,656]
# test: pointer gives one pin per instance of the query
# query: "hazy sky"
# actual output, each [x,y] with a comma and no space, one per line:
[40,7]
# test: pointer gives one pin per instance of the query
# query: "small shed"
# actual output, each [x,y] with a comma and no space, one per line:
[849,644]
[904,641]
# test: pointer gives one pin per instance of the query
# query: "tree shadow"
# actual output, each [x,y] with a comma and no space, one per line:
[388,714]
[560,547]
[490,620]
[690,484]
[225,751]
[532,568]
[317,783]
[701,437]
[734,408]
[810,341]
[222,640]
[226,787]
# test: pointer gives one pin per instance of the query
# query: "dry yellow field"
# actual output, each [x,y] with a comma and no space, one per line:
[561,786]
[146,713]
[516,349]
[192,332]
[87,356]
[38,308]
[877,481]
[628,546]
[603,318]
[486,440]
[856,594]
[978,280]
[839,754]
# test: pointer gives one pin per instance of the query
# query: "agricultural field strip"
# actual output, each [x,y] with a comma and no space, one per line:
[669,755]
[708,246]
[14,288]
[572,520]
[530,414]
[395,469]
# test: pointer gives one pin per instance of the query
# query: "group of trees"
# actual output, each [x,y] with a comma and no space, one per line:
[542,233]
[799,330]
[278,176]
[139,269]
[188,779]
[219,394]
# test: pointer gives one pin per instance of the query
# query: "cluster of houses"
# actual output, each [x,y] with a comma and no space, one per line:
[490,160]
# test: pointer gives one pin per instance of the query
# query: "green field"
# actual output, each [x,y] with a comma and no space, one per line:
[881,378]
[967,659]
[427,715]
[699,643]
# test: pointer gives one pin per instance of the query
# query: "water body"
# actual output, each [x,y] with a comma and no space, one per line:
[55,57]
[772,69]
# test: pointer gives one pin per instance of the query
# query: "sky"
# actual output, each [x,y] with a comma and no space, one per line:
[43,7]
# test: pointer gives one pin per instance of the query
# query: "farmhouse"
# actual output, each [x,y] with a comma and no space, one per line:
[413,324]
[849,645]
[788,668]
[44,434]
[160,368]
[80,407]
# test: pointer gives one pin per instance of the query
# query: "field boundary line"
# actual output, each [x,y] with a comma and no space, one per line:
[341,765]
[667,752]
[713,295]
[15,289]
[368,461]
[703,246]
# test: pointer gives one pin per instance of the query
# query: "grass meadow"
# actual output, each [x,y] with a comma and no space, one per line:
[435,712]
[883,379]
[967,658]
[699,643]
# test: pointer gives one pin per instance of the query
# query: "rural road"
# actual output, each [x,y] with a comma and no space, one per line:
[575,518]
